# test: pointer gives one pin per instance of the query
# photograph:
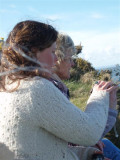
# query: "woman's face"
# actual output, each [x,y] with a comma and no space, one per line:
[64,67]
[47,57]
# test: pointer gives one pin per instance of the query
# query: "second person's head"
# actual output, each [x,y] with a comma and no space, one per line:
[64,51]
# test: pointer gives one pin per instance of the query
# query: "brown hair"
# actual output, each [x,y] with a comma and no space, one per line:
[26,38]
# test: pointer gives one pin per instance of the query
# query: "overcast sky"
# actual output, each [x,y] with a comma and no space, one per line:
[94,23]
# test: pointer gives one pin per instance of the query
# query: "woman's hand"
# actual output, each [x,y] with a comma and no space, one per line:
[100,152]
[100,145]
[106,86]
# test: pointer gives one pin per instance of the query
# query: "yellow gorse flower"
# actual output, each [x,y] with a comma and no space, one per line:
[1,42]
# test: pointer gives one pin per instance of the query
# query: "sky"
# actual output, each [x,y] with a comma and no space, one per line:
[93,23]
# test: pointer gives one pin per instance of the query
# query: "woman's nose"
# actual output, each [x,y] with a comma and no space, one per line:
[55,58]
[72,63]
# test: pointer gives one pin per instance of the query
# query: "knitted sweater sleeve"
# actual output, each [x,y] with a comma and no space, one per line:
[57,115]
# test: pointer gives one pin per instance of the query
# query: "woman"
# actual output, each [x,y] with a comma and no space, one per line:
[65,50]
[36,119]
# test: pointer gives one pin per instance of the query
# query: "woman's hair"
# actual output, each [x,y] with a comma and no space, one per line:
[19,52]
[65,46]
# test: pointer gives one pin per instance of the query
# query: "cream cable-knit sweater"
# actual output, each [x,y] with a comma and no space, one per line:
[37,121]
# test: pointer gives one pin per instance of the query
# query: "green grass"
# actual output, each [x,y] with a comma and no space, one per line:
[79,93]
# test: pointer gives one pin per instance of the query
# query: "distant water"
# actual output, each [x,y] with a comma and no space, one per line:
[106,67]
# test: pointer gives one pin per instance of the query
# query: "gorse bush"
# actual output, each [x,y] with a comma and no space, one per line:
[105,75]
[1,43]
[84,65]
[78,48]
[81,67]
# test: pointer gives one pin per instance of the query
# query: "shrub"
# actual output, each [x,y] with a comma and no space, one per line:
[104,75]
[78,48]
[1,43]
[81,67]
[89,77]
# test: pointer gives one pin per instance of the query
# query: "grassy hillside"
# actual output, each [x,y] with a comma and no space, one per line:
[79,93]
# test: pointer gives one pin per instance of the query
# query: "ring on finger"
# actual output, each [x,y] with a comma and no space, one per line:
[96,82]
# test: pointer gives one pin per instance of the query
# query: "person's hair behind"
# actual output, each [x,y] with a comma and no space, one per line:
[27,37]
[65,46]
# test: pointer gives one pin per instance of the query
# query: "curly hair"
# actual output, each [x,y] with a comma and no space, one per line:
[19,52]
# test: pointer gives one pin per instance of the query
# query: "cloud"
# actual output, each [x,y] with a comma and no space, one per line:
[52,17]
[12,6]
[101,49]
[31,9]
[97,16]
[3,10]
[102,59]
[7,11]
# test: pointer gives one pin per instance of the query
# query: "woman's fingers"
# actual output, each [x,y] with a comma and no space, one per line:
[104,85]
[107,85]
[98,152]
[100,145]
[112,88]
[101,83]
